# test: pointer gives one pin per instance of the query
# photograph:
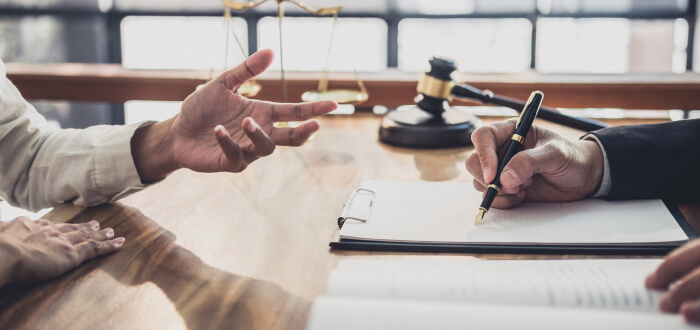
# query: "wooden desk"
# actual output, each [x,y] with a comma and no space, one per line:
[391,88]
[244,251]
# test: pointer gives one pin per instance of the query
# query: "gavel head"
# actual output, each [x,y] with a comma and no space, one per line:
[435,89]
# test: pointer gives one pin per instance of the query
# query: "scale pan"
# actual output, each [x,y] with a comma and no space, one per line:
[342,96]
[250,88]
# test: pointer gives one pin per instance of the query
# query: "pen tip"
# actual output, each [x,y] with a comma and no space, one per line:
[479,216]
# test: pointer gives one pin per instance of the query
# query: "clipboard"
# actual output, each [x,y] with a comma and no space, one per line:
[368,203]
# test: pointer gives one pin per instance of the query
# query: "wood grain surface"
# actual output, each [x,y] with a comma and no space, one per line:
[390,88]
[233,251]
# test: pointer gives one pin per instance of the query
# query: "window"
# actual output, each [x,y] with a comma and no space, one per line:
[138,111]
[57,39]
[611,45]
[612,7]
[451,7]
[478,45]
[357,42]
[181,42]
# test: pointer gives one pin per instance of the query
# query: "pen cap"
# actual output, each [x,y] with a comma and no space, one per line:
[527,116]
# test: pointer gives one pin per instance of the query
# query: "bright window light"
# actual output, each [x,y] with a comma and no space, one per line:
[610,45]
[596,45]
[181,42]
[358,42]
[478,45]
[138,111]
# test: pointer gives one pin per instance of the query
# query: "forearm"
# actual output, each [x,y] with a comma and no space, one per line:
[46,166]
[8,261]
[152,150]
[653,161]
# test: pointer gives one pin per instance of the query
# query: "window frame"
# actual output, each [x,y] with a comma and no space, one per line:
[392,16]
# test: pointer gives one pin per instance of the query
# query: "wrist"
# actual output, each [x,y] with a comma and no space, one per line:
[9,261]
[152,151]
[595,161]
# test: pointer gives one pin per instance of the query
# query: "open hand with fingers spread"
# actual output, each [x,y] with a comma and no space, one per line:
[550,167]
[219,130]
[38,250]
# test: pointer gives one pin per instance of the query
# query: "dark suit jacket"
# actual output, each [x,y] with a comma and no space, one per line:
[653,161]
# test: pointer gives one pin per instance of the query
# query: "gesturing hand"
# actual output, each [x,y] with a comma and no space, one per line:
[550,168]
[220,130]
[680,273]
[38,250]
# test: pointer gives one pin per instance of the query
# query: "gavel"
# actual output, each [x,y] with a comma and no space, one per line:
[433,123]
[437,87]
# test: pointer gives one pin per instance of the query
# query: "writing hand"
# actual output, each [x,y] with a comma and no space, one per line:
[680,274]
[219,130]
[550,168]
[38,250]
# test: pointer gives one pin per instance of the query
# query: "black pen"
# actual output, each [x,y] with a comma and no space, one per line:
[516,145]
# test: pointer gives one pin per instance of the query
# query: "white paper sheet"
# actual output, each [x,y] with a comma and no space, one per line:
[602,284]
[494,294]
[438,212]
[341,313]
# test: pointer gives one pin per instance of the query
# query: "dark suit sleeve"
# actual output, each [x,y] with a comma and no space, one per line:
[653,161]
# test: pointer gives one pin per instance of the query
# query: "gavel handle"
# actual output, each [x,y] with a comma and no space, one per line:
[546,113]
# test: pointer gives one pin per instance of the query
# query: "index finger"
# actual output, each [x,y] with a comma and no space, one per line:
[486,140]
[677,264]
[300,111]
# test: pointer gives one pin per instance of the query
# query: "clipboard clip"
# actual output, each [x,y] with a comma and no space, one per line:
[343,216]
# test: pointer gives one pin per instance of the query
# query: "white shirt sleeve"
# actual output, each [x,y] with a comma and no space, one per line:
[604,189]
[41,166]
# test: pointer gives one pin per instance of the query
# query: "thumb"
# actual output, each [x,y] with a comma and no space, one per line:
[548,158]
[251,67]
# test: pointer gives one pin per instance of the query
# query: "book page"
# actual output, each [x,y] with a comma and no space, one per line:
[597,284]
[350,313]
[433,212]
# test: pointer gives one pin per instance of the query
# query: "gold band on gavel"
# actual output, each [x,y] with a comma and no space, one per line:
[494,187]
[518,138]
[435,87]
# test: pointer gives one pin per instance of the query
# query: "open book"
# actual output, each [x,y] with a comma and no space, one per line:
[510,294]
[423,213]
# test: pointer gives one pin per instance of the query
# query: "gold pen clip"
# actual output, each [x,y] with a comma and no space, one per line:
[527,104]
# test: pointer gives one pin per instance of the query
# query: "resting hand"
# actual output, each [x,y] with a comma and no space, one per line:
[219,130]
[681,273]
[550,168]
[38,250]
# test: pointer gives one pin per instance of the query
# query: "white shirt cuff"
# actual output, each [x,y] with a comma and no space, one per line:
[114,164]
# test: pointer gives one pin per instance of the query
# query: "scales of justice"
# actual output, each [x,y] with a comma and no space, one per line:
[252,87]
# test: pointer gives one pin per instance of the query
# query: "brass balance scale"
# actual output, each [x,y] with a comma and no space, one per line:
[252,87]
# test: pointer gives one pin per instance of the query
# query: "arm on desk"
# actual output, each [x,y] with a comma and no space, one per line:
[216,130]
[38,250]
[645,161]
